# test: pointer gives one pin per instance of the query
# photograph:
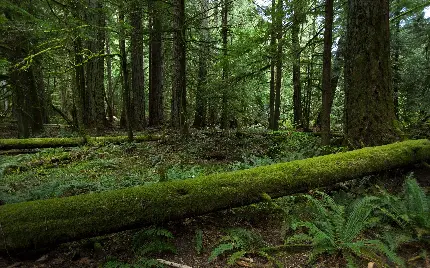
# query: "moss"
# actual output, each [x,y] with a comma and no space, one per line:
[39,223]
[7,144]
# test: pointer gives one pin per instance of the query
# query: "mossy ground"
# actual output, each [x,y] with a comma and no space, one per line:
[72,171]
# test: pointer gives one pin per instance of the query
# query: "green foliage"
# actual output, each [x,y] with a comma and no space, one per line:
[153,241]
[199,241]
[293,145]
[238,242]
[410,210]
[251,161]
[336,229]
[141,263]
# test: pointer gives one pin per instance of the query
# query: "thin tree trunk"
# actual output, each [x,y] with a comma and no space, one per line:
[297,95]
[225,62]
[179,109]
[156,76]
[137,112]
[201,93]
[110,96]
[279,56]
[272,94]
[326,79]
[126,82]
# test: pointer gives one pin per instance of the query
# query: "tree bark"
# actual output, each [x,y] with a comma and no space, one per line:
[278,65]
[297,95]
[225,62]
[179,108]
[31,143]
[156,76]
[370,117]
[35,224]
[125,76]
[201,91]
[137,73]
[272,94]
[326,79]
[110,95]
[95,66]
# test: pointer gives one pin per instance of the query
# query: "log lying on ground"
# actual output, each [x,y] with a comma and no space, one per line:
[8,144]
[36,224]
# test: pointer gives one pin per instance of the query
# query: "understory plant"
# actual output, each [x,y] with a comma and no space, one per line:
[410,211]
[146,244]
[339,230]
[237,243]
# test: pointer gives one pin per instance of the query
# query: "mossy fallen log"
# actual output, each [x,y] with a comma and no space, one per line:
[36,224]
[9,144]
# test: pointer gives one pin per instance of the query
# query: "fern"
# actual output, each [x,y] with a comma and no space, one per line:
[219,250]
[238,242]
[152,241]
[410,210]
[336,229]
[199,241]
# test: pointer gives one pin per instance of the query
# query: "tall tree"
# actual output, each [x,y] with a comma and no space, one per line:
[25,77]
[125,76]
[276,63]
[370,117]
[137,112]
[156,75]
[326,79]
[95,67]
[225,62]
[179,101]
[295,46]
[201,91]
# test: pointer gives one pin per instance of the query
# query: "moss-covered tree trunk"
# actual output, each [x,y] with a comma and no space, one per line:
[370,117]
[36,224]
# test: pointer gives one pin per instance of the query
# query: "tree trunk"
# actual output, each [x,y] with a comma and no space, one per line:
[297,95]
[35,224]
[396,59]
[95,66]
[279,56]
[370,117]
[201,91]
[179,109]
[156,76]
[110,95]
[272,94]
[225,62]
[137,72]
[326,79]
[125,76]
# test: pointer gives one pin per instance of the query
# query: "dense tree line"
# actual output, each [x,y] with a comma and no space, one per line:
[359,67]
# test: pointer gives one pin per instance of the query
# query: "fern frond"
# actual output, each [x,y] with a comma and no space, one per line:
[357,218]
[158,232]
[235,256]
[417,202]
[219,250]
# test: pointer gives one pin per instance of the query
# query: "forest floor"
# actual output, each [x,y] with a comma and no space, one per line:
[61,172]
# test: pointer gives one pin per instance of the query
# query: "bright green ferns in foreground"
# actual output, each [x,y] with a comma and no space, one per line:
[45,222]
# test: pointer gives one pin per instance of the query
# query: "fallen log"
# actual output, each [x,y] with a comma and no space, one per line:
[9,144]
[36,224]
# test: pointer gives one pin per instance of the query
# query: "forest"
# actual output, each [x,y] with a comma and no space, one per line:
[214,133]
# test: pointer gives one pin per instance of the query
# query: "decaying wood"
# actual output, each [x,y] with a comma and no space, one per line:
[36,224]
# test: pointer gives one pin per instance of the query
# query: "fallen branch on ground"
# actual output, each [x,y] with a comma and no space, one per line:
[9,144]
[36,224]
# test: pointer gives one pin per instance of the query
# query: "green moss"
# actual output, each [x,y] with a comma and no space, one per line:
[6,144]
[44,222]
